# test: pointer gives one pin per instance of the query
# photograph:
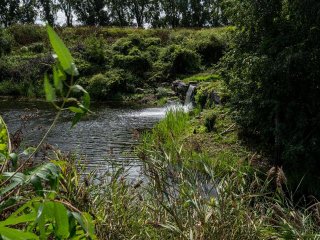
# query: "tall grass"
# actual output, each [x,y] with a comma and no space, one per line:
[187,197]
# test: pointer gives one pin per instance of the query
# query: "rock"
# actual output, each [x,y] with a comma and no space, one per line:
[214,98]
[180,88]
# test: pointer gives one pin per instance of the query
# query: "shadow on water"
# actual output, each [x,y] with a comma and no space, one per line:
[109,135]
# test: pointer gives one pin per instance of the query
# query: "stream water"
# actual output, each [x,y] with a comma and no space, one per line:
[109,135]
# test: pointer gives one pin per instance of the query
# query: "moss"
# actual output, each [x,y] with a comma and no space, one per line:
[202,77]
[208,93]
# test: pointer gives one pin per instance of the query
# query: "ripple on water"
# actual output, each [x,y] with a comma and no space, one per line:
[107,136]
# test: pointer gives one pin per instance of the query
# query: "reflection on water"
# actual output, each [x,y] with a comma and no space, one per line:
[110,134]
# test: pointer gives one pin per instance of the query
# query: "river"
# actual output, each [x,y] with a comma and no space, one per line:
[107,136]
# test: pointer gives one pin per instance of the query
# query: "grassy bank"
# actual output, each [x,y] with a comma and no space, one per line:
[114,63]
[200,182]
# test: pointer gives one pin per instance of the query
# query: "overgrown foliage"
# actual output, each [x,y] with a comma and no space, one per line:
[146,56]
[273,73]
[32,205]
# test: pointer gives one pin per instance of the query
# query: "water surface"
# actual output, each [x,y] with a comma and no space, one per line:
[109,135]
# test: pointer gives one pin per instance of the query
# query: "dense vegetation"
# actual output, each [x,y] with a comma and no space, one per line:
[113,62]
[235,167]
[273,74]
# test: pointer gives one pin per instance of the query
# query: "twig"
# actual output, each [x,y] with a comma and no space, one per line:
[229,129]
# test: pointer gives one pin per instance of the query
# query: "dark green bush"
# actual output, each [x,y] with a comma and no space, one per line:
[180,60]
[273,73]
[210,50]
[95,50]
[6,42]
[210,120]
[36,48]
[136,61]
[107,85]
[27,34]
[123,46]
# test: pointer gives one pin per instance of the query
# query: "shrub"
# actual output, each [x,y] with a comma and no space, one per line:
[152,42]
[211,93]
[36,48]
[180,60]
[95,50]
[123,45]
[107,85]
[6,42]
[210,120]
[210,49]
[136,61]
[27,34]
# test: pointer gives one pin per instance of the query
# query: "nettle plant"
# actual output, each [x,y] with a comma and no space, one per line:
[31,203]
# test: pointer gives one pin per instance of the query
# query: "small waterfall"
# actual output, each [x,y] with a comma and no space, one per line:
[188,102]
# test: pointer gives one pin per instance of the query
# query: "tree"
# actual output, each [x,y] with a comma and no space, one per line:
[273,73]
[153,15]
[28,11]
[9,10]
[92,12]
[171,12]
[49,10]
[120,12]
[139,10]
[67,7]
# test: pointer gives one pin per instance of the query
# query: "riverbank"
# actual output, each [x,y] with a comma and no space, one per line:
[201,184]
[200,181]
[114,63]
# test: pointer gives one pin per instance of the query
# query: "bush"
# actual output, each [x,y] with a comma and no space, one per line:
[210,49]
[210,120]
[136,61]
[107,85]
[211,93]
[36,48]
[274,81]
[95,50]
[180,60]
[123,46]
[148,42]
[6,42]
[27,34]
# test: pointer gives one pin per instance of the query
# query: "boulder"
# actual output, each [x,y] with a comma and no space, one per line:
[180,88]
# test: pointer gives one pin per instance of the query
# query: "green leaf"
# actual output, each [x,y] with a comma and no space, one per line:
[4,139]
[24,218]
[14,234]
[78,88]
[76,110]
[62,52]
[62,221]
[36,183]
[76,119]
[58,76]
[14,160]
[49,90]
[87,219]
[29,151]
[86,222]
[86,100]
